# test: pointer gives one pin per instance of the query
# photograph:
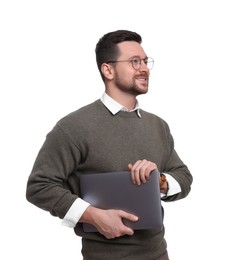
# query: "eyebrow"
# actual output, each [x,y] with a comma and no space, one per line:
[137,56]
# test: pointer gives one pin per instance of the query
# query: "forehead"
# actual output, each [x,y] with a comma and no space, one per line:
[130,48]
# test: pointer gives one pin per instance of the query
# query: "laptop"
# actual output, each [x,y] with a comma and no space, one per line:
[115,190]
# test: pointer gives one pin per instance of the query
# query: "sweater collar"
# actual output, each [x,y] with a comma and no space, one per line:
[114,107]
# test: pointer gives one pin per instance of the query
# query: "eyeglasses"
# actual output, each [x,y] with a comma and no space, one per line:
[137,62]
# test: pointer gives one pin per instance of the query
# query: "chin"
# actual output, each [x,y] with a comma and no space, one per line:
[144,90]
[141,92]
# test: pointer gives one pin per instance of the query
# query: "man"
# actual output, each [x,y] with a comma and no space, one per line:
[111,134]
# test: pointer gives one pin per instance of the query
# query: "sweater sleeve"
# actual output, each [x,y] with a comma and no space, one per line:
[178,170]
[56,160]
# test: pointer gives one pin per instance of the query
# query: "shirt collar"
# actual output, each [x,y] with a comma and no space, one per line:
[114,107]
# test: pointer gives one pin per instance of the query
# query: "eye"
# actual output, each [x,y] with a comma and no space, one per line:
[145,60]
[136,61]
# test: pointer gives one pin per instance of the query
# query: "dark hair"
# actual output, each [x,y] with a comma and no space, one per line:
[106,48]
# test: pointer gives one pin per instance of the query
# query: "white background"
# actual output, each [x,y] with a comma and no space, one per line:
[48,69]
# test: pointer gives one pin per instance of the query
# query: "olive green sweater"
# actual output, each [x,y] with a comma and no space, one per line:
[91,139]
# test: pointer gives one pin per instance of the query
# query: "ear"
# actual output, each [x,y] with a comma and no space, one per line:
[107,71]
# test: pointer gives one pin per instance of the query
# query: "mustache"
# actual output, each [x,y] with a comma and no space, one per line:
[142,75]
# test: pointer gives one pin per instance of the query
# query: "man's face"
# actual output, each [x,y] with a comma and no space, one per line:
[127,77]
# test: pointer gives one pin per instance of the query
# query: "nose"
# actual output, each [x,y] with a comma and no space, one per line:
[144,66]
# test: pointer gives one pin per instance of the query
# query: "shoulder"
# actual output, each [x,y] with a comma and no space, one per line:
[84,118]
[77,123]
[83,113]
[148,116]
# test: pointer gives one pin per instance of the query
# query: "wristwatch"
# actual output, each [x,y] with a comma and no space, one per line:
[162,183]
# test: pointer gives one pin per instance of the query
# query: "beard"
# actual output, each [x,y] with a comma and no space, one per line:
[131,87]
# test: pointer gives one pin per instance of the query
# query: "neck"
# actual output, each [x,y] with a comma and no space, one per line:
[127,100]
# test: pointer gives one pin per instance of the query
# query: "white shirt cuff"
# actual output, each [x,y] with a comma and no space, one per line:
[74,213]
[174,186]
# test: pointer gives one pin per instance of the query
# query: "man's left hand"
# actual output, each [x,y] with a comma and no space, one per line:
[141,170]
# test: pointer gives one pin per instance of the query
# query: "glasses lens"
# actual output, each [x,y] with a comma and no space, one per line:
[150,63]
[136,63]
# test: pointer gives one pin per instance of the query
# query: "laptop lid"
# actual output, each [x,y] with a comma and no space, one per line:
[115,190]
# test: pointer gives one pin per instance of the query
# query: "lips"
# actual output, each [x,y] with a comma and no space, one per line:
[142,79]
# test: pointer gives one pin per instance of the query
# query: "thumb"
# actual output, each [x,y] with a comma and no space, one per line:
[130,166]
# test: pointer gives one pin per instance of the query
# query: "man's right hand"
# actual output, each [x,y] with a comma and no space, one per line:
[108,222]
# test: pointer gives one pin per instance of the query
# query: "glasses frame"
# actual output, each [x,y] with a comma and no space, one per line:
[147,60]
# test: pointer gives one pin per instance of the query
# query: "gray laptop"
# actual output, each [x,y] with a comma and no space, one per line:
[115,190]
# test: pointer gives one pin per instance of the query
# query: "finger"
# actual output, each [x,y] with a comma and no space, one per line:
[135,172]
[144,171]
[127,230]
[132,174]
[144,174]
[129,216]
[139,169]
[129,166]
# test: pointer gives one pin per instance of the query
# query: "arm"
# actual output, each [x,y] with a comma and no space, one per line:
[174,169]
[180,173]
[46,186]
